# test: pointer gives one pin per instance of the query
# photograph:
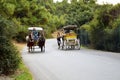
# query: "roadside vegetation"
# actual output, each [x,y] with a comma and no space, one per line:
[99,25]
[22,73]
[11,63]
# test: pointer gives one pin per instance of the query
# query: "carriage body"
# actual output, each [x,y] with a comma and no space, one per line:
[70,37]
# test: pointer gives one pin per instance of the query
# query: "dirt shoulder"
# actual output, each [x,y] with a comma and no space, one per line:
[19,46]
[54,35]
[5,78]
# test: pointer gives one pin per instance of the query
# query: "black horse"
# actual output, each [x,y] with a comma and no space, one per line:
[41,43]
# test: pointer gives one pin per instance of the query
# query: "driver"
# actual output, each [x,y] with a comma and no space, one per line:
[35,35]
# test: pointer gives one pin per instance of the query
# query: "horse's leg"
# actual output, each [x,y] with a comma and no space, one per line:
[29,49]
[33,44]
[32,48]
[44,45]
[41,48]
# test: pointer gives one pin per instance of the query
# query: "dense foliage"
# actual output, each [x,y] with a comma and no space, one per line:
[9,58]
[7,28]
[105,28]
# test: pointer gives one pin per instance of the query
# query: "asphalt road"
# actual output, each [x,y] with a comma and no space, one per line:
[84,64]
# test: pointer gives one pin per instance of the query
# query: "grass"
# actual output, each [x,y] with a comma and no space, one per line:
[23,72]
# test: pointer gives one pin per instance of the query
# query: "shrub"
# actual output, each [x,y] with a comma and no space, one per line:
[84,35]
[9,58]
[20,37]
[7,28]
[105,29]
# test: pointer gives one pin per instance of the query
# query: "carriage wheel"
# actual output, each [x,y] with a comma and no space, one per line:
[78,46]
[43,48]
[65,45]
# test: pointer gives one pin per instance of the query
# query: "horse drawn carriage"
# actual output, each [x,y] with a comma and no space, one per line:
[35,38]
[70,39]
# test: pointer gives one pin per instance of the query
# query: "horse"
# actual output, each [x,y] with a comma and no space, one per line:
[30,43]
[41,42]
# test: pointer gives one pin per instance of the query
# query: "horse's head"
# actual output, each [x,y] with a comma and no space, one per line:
[27,38]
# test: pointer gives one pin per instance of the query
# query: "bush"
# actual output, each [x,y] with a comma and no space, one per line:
[20,37]
[105,29]
[116,37]
[112,40]
[9,58]
[84,35]
[7,28]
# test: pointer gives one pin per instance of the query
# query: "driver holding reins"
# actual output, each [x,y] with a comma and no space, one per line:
[35,35]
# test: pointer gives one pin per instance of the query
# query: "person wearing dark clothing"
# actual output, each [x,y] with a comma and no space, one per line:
[58,39]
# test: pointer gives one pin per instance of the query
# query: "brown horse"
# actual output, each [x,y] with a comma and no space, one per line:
[30,43]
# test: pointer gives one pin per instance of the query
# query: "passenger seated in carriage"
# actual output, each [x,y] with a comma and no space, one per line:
[35,36]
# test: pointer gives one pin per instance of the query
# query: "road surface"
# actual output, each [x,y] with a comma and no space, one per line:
[84,64]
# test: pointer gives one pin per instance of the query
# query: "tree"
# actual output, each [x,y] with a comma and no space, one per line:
[106,24]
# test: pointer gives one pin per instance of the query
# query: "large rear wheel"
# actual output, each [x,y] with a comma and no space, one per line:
[78,44]
[64,45]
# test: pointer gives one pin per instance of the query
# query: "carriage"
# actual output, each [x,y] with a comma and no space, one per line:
[35,39]
[70,37]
